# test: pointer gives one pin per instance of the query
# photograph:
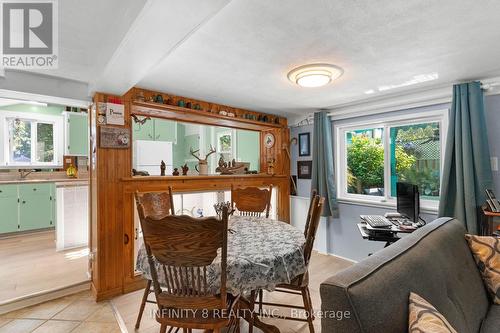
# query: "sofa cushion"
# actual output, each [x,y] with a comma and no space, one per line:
[434,262]
[423,317]
[486,251]
[491,323]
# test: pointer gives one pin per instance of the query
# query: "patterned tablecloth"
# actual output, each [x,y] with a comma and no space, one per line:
[261,254]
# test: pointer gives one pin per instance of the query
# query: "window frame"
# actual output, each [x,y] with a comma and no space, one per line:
[34,118]
[340,151]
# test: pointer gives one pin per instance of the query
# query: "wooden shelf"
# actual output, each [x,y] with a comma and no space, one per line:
[140,108]
[197,177]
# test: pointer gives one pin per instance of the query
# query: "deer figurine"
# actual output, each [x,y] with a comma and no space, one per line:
[202,166]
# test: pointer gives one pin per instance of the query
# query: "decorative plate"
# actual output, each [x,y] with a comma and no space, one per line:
[269,140]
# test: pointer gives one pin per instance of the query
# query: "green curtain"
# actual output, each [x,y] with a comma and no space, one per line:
[322,165]
[467,168]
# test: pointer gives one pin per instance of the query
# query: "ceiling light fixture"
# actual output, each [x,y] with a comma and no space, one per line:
[315,75]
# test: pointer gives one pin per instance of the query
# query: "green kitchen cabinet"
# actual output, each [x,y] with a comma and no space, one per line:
[77,134]
[165,130]
[143,131]
[36,206]
[9,207]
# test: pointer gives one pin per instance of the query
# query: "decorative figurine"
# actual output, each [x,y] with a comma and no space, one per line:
[185,169]
[197,107]
[181,103]
[188,105]
[175,172]
[158,99]
[163,167]
[202,166]
[139,173]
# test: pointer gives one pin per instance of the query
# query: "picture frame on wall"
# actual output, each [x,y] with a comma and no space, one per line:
[305,144]
[304,169]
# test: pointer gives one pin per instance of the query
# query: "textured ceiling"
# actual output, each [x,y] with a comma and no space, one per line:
[238,52]
[242,55]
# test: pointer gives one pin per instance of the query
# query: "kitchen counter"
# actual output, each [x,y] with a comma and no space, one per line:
[42,177]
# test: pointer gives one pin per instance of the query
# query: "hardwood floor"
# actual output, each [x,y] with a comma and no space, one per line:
[30,264]
[321,267]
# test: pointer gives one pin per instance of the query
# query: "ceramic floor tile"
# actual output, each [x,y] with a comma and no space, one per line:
[21,326]
[104,315]
[40,311]
[57,326]
[93,327]
[4,321]
[78,310]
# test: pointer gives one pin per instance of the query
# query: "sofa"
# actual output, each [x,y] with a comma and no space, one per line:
[434,261]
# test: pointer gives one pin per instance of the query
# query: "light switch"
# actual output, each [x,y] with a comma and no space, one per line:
[494,163]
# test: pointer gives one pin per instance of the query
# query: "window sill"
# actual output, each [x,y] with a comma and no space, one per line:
[383,204]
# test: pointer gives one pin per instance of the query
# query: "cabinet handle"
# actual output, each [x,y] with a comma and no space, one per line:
[23,202]
[150,136]
[1,191]
[126,239]
[158,136]
[34,189]
[136,233]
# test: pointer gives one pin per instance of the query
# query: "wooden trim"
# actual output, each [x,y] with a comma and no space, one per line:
[177,113]
[112,186]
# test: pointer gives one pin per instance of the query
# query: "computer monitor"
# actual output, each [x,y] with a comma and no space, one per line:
[408,201]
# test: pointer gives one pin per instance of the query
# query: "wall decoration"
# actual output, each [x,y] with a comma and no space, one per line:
[304,169]
[269,140]
[101,113]
[114,137]
[305,144]
[115,114]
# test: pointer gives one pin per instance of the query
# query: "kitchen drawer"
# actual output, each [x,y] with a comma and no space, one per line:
[9,190]
[31,189]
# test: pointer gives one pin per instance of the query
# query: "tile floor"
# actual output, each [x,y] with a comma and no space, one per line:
[77,313]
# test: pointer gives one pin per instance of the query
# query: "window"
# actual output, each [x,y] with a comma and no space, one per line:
[30,139]
[373,157]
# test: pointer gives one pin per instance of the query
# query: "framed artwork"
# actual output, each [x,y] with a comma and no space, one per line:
[305,144]
[114,137]
[304,169]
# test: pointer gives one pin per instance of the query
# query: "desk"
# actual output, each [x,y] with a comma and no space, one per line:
[486,227]
[387,235]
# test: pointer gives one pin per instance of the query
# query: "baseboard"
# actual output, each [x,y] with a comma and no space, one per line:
[43,296]
[337,256]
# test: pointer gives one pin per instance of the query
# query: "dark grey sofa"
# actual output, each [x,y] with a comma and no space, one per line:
[434,262]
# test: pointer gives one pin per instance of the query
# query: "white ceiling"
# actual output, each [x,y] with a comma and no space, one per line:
[238,52]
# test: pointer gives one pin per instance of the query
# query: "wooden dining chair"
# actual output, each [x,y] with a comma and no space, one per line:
[251,201]
[300,284]
[180,248]
[155,205]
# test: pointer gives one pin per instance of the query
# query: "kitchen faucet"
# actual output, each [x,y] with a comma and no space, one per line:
[24,173]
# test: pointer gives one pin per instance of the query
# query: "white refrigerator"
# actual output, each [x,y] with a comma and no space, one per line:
[149,154]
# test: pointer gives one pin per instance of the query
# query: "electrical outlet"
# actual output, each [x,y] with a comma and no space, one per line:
[494,163]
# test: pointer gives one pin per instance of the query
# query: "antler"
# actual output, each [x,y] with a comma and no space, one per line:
[212,150]
[193,152]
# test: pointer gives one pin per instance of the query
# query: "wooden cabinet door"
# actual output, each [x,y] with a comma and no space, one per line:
[9,208]
[36,206]
[143,131]
[165,130]
[78,136]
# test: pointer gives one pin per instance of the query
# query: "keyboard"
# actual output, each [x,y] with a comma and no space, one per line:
[377,221]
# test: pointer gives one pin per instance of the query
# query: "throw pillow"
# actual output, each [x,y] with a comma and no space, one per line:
[486,251]
[424,318]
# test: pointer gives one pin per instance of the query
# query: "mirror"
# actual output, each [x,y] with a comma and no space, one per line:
[173,142]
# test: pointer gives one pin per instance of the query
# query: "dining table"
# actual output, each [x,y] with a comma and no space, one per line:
[261,254]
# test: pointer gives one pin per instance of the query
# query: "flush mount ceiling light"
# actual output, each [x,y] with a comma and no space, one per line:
[315,75]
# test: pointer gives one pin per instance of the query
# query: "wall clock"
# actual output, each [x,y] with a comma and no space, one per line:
[269,140]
